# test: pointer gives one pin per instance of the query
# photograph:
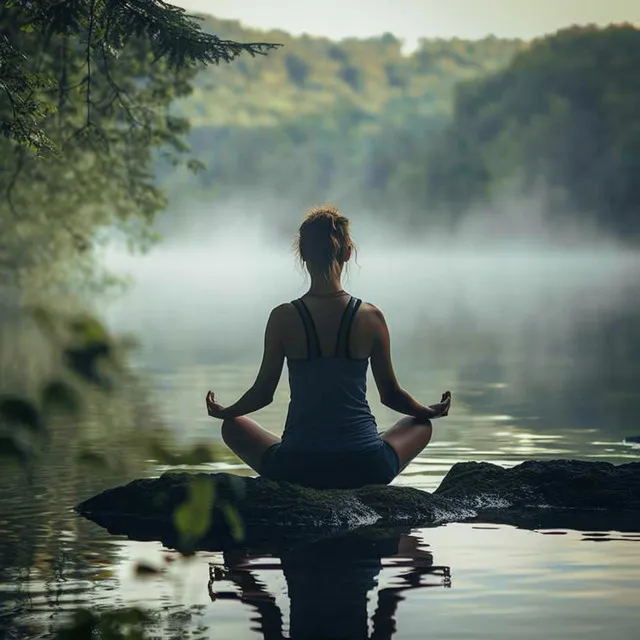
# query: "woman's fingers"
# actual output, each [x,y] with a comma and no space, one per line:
[213,408]
[446,396]
[212,405]
[444,404]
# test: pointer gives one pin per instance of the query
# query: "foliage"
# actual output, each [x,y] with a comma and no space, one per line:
[349,121]
[87,86]
[85,94]
[73,375]
[433,135]
[65,359]
[261,92]
[565,114]
[193,516]
[103,177]
[297,69]
[104,28]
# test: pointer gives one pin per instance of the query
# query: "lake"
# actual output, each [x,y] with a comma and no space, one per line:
[540,348]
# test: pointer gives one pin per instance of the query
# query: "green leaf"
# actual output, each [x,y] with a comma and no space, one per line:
[236,526]
[193,518]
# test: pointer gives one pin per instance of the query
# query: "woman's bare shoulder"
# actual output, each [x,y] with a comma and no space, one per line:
[370,308]
[282,312]
[371,313]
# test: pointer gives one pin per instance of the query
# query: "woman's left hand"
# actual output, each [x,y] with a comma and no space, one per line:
[214,409]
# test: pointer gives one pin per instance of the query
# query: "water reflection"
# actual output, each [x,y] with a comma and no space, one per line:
[372,585]
[328,585]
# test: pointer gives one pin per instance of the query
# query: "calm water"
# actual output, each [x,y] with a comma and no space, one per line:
[541,352]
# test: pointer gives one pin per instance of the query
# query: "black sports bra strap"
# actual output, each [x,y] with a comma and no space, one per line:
[342,342]
[313,343]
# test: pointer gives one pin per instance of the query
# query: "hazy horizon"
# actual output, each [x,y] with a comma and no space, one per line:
[411,20]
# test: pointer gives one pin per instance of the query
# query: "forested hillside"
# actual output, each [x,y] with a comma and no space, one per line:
[348,121]
[564,115]
[422,137]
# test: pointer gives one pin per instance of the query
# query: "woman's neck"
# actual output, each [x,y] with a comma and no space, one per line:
[325,287]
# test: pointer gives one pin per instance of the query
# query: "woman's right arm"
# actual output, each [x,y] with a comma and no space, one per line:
[392,395]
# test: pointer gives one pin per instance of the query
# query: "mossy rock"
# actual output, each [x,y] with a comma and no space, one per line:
[533,494]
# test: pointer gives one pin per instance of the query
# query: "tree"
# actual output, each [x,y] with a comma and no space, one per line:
[86,93]
[267,135]
[88,86]
[352,75]
[564,114]
[297,69]
[104,28]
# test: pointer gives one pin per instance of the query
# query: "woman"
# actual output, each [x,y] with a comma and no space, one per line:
[328,337]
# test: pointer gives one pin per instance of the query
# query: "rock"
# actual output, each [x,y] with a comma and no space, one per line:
[532,494]
[143,509]
[571,484]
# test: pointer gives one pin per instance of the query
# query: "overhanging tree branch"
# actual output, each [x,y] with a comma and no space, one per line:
[106,26]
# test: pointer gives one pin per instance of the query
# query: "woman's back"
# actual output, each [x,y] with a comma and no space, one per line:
[328,411]
[327,314]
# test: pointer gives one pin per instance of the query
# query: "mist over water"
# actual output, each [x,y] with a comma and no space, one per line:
[518,320]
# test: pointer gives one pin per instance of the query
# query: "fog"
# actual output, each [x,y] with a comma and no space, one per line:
[502,270]
[547,315]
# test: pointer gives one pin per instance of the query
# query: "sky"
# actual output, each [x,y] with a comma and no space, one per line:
[410,20]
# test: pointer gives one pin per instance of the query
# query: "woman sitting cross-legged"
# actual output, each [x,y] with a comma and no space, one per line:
[328,337]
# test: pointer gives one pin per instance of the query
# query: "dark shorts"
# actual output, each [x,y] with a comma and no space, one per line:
[345,470]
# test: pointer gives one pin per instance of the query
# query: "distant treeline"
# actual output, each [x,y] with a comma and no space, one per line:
[564,115]
[422,136]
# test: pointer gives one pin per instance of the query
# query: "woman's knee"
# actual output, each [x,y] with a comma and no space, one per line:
[419,432]
[412,422]
[229,429]
[426,428]
[408,437]
[242,432]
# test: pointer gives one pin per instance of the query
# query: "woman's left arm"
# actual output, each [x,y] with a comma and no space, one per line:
[261,392]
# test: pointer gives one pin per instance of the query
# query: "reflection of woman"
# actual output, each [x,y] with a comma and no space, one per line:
[328,338]
[328,585]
